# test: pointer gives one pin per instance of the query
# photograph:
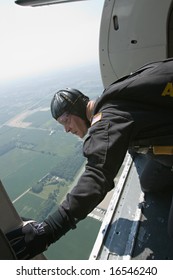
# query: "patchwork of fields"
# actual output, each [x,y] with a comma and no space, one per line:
[32,145]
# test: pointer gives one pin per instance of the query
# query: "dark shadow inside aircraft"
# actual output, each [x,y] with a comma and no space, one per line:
[151,241]
[146,238]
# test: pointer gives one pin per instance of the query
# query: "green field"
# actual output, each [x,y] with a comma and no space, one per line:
[36,153]
[76,244]
[28,154]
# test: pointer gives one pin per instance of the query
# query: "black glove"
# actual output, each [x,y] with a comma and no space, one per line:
[30,239]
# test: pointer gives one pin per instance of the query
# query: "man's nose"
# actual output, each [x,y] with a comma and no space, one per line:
[67,128]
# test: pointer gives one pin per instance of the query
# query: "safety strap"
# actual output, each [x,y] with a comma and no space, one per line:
[163,150]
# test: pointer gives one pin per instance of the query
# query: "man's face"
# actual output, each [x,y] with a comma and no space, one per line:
[73,124]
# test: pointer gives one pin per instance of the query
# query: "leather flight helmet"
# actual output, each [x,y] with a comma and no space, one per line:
[69,100]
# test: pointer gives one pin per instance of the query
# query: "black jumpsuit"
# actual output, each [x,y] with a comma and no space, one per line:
[134,112]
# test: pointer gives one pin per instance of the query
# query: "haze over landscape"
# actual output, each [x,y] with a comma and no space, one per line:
[42,39]
[43,50]
[39,162]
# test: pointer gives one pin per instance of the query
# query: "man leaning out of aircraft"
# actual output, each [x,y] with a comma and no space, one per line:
[133,114]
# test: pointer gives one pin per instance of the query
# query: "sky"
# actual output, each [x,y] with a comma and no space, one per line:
[36,40]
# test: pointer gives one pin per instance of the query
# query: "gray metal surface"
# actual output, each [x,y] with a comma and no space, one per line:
[119,228]
[135,225]
[152,241]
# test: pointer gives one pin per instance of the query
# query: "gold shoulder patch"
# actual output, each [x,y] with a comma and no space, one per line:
[96,118]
